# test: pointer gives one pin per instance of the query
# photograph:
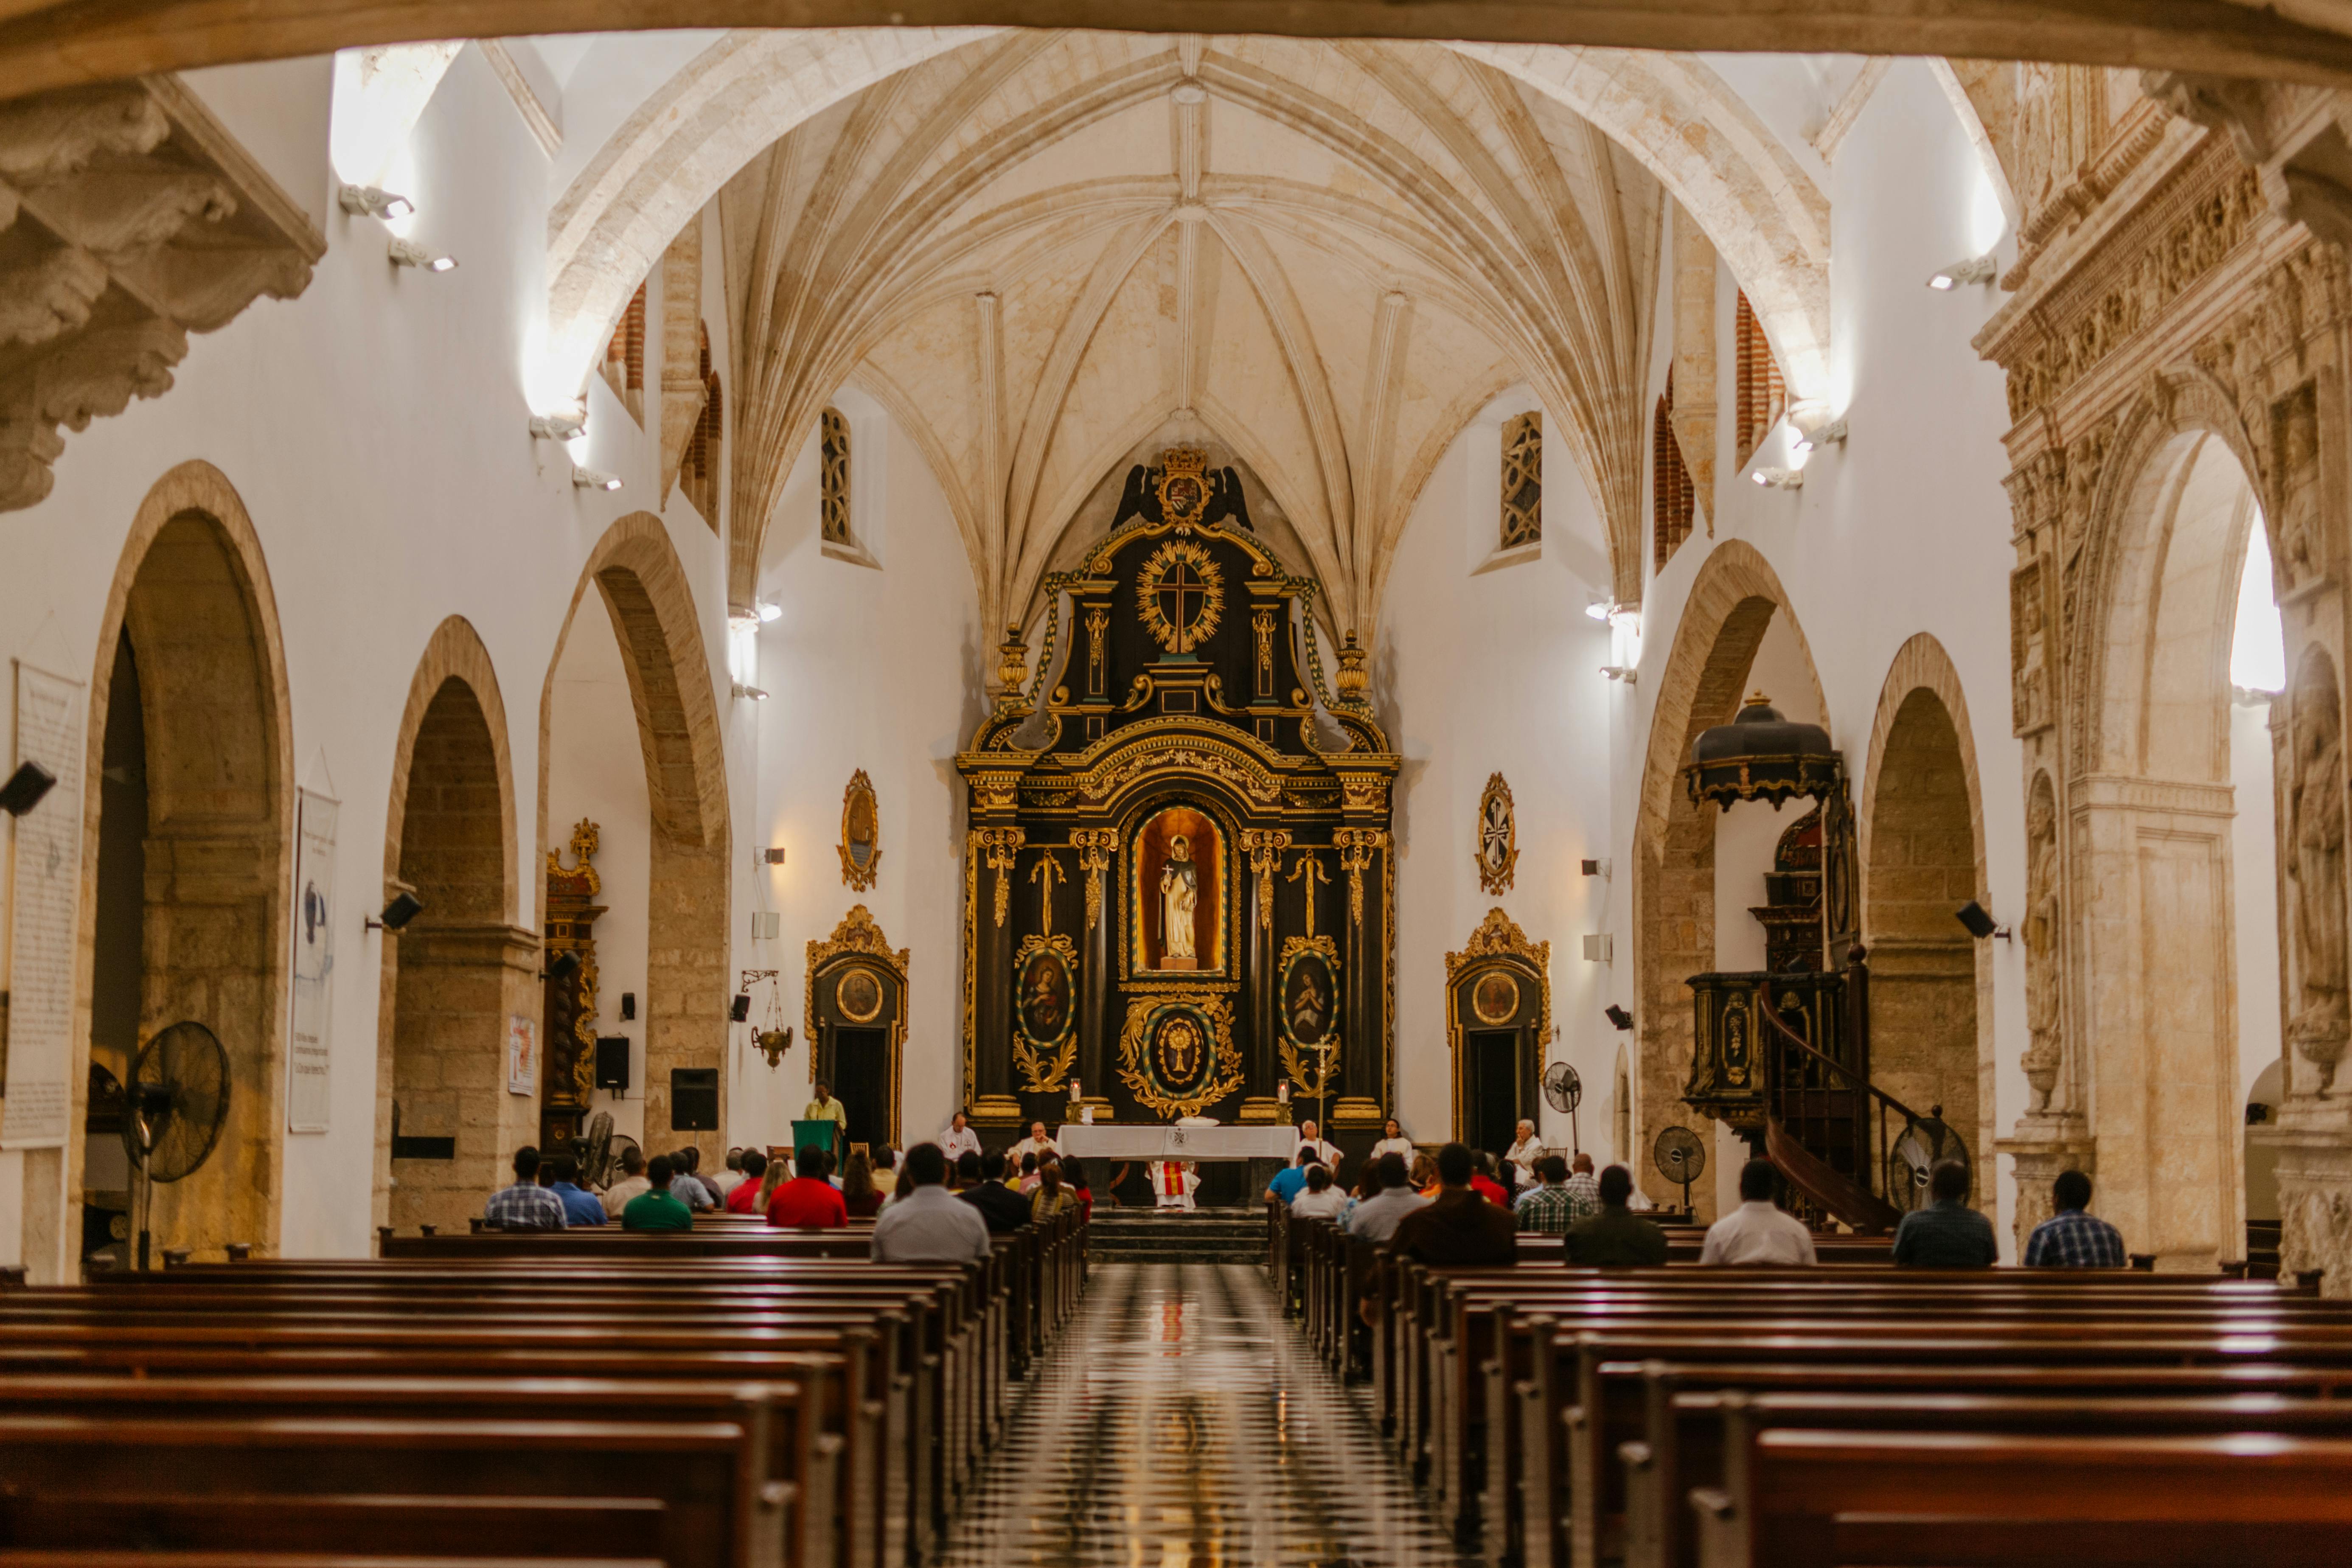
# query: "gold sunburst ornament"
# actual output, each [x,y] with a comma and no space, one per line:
[1181,595]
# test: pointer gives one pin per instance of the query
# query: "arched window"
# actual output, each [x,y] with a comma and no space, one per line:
[1762,397]
[624,357]
[1673,497]
[1522,519]
[832,447]
[698,473]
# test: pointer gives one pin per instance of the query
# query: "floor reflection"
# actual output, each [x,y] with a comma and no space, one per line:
[1181,1423]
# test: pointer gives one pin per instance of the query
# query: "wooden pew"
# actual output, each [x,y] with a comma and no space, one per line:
[164,1529]
[143,1559]
[1894,1498]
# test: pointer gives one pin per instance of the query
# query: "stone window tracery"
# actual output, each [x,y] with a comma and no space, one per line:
[1763,398]
[1522,517]
[624,357]
[833,447]
[1674,498]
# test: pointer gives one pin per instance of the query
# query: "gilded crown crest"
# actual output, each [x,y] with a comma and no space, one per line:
[1183,484]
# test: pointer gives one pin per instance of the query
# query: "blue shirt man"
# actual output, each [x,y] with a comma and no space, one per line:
[1291,1179]
[580,1205]
[2071,1238]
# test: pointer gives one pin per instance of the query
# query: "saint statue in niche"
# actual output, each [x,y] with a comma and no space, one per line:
[1177,893]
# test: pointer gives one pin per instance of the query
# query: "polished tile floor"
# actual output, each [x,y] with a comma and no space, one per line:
[1181,1423]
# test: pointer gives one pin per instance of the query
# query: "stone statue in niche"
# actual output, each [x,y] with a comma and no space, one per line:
[2043,931]
[2316,803]
[2294,445]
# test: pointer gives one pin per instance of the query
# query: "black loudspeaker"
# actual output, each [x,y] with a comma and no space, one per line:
[628,1006]
[612,1061]
[694,1100]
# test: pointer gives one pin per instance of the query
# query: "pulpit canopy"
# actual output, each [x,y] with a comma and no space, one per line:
[1761,756]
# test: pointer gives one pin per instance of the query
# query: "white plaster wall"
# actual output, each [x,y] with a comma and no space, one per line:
[595,770]
[375,429]
[1498,671]
[876,667]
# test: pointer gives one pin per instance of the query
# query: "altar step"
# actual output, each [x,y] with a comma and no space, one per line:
[1204,1236]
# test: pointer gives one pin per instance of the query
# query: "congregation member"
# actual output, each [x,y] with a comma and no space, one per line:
[1073,1177]
[1615,1237]
[1758,1230]
[858,1194]
[746,1197]
[1051,1198]
[1547,1208]
[887,1174]
[1482,1182]
[1525,1149]
[1375,1219]
[1947,1234]
[930,1224]
[808,1202]
[1424,1175]
[580,1205]
[1000,1208]
[632,1181]
[1367,1186]
[1291,1180]
[2072,1237]
[1391,1141]
[525,1205]
[1028,1182]
[1320,1199]
[727,1180]
[1458,1229]
[1327,1151]
[1584,1189]
[657,1208]
[685,1186]
[958,1140]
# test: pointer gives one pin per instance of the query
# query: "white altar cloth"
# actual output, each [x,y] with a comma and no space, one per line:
[1151,1141]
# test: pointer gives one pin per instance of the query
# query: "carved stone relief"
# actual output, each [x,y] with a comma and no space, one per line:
[2315,818]
[2045,930]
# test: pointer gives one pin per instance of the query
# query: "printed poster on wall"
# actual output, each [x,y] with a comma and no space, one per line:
[44,897]
[523,1055]
[311,1023]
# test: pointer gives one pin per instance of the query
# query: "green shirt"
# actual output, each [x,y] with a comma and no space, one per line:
[831,1110]
[655,1210]
[1615,1239]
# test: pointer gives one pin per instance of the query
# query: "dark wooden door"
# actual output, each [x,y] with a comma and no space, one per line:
[1494,1110]
[861,1082]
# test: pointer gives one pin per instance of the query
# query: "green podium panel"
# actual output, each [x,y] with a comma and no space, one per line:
[825,1135]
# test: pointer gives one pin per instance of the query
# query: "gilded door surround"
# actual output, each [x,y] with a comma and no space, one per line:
[1497,949]
[858,945]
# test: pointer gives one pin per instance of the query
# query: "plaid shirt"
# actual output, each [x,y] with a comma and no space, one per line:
[1548,1210]
[2072,1240]
[1583,1191]
[526,1206]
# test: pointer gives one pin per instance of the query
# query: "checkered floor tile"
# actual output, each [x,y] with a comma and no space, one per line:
[1181,1423]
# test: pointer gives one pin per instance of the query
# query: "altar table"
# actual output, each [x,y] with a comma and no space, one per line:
[1109,1141]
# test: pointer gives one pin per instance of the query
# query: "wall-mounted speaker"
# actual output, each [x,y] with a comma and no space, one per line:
[613,1062]
[628,1006]
[694,1100]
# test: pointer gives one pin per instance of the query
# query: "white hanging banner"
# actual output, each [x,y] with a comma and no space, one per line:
[43,899]
[311,1023]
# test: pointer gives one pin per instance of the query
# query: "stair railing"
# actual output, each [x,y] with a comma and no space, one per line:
[1819,1075]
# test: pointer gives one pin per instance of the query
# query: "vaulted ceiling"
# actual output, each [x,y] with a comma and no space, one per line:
[1039,248]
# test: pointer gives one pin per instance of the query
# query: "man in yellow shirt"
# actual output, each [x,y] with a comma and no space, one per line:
[825,1107]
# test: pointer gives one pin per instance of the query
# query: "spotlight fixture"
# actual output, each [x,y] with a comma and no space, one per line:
[1625,673]
[26,787]
[1975,269]
[367,200]
[595,480]
[739,1010]
[1981,924]
[1618,1016]
[768,613]
[404,908]
[1600,868]
[563,966]
[1833,431]
[408,253]
[1600,609]
[568,425]
[1780,479]
[753,692]
[773,855]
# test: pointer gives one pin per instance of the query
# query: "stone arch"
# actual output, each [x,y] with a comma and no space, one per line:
[1731,603]
[2148,808]
[1920,825]
[451,978]
[192,595]
[636,574]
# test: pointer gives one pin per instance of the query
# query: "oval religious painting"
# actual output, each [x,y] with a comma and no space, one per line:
[1311,997]
[858,995]
[1182,1052]
[1045,997]
[861,845]
[1494,997]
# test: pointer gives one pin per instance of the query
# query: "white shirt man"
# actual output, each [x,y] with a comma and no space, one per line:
[1329,1153]
[1758,1232]
[1525,1151]
[929,1225]
[958,1140]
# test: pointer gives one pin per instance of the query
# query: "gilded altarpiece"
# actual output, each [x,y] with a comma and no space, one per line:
[1179,888]
[2183,289]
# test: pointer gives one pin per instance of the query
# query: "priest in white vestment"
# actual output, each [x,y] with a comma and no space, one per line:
[1173,1183]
